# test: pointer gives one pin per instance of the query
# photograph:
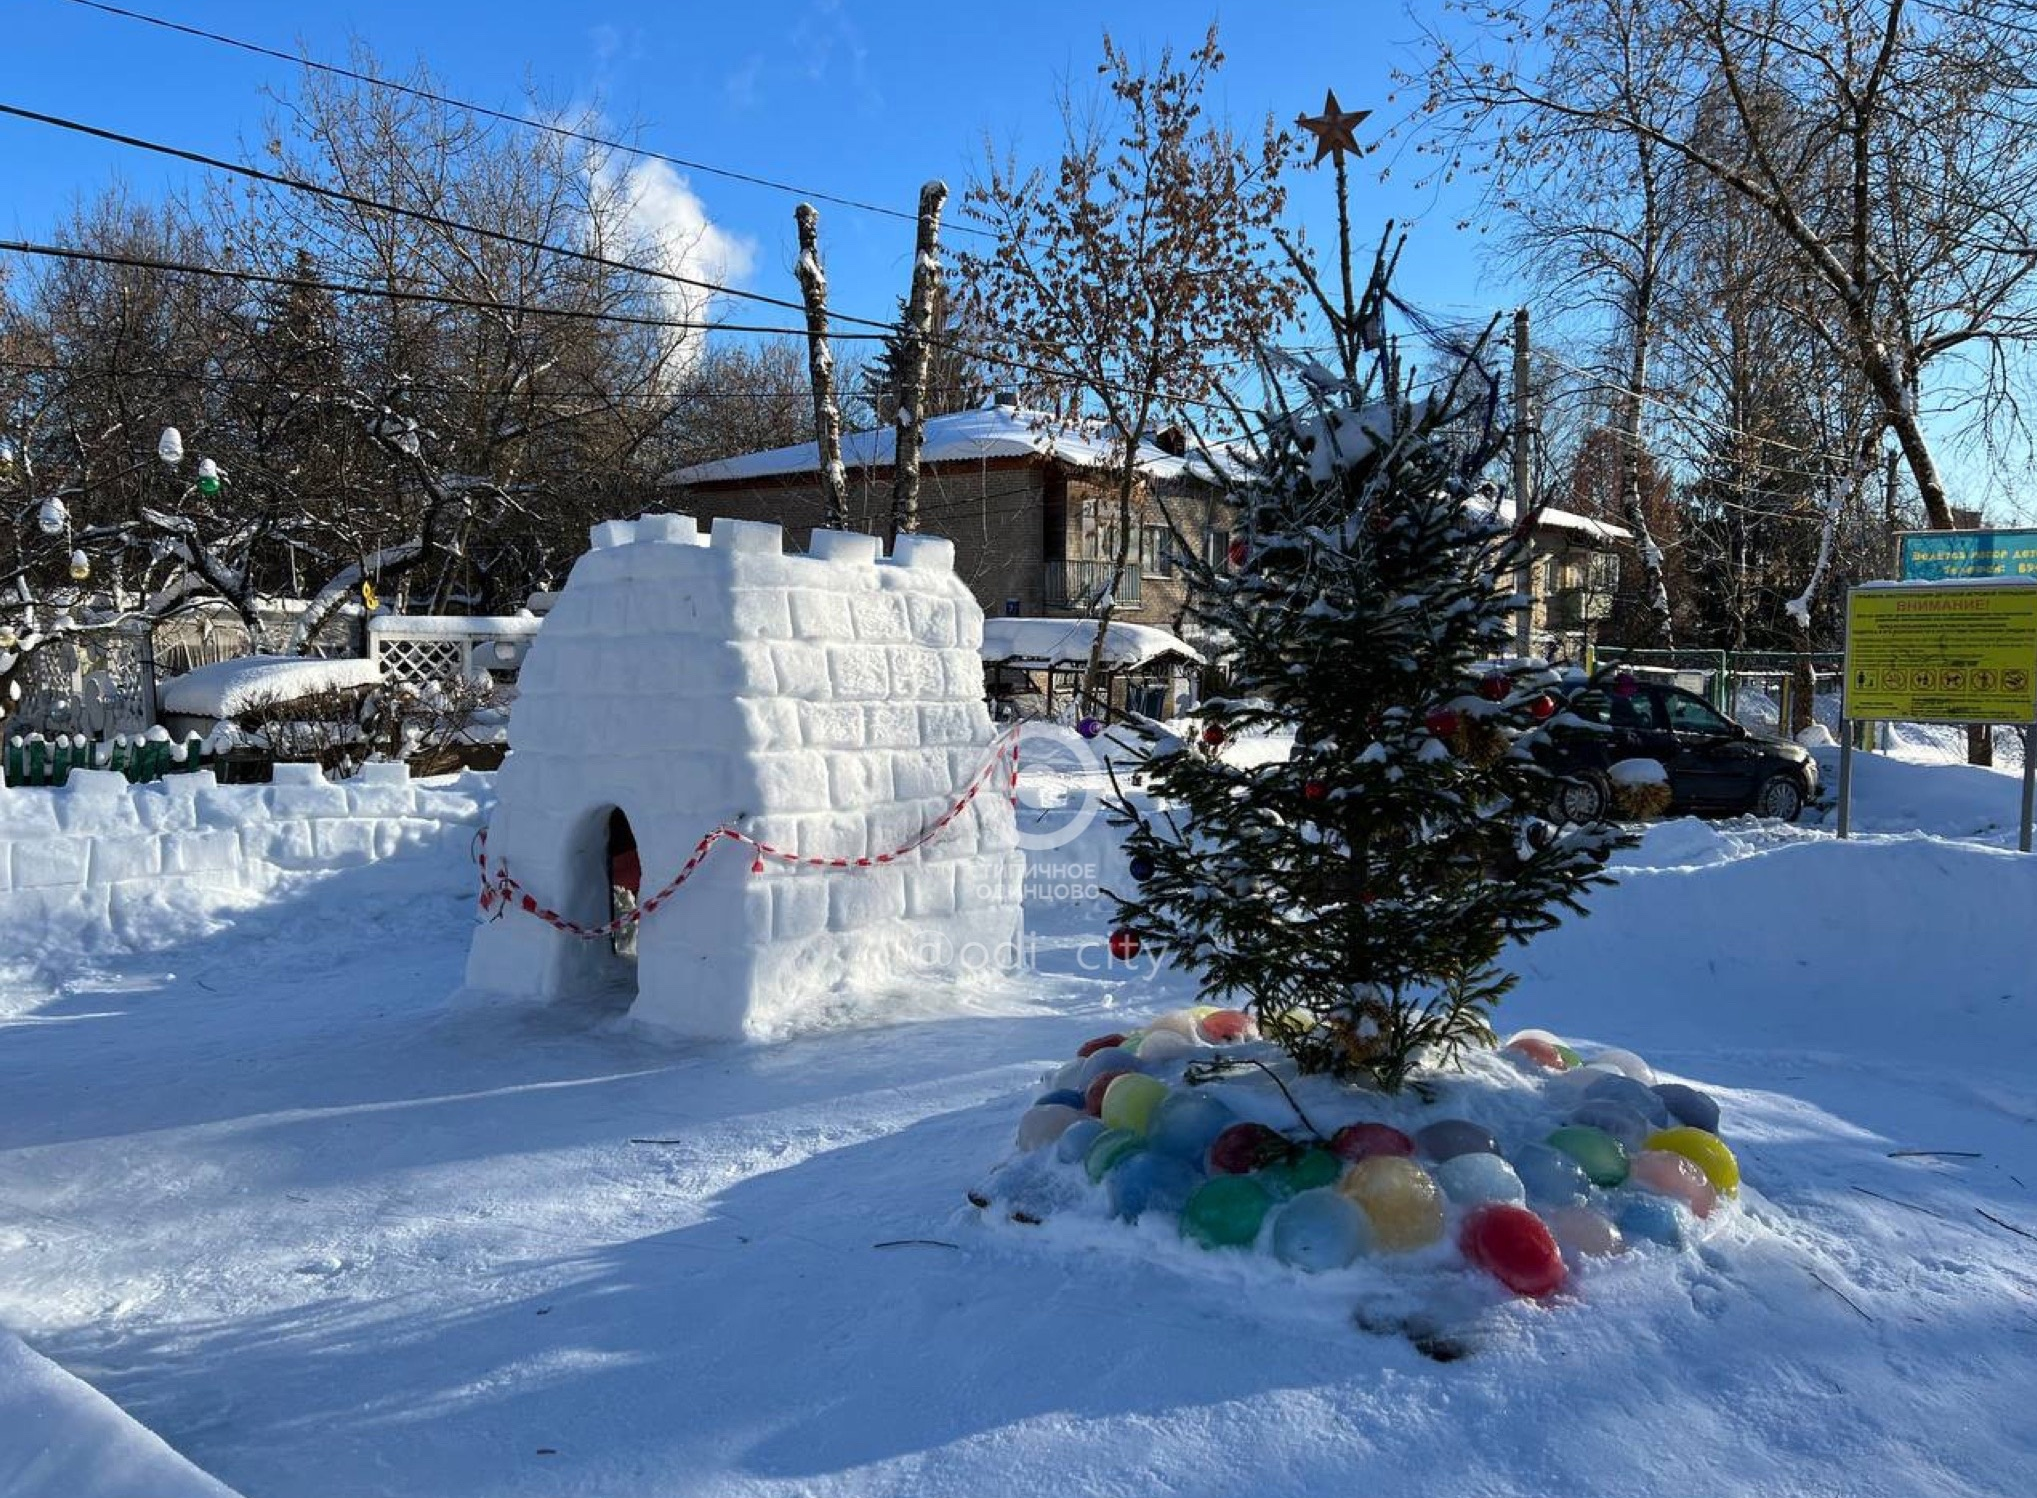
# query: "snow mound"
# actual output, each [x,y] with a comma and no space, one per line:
[61,1438]
[226,689]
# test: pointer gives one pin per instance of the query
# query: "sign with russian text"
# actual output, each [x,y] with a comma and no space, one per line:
[1935,556]
[1941,653]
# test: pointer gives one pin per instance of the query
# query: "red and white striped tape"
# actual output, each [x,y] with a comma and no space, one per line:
[501,892]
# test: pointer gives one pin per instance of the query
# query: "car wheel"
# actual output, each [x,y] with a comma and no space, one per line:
[1585,796]
[1780,796]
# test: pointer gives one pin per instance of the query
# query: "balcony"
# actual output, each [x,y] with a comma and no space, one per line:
[1080,586]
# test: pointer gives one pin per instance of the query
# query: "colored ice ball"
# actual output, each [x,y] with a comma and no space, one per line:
[1689,1106]
[1149,1182]
[1550,1177]
[1447,1138]
[1245,1147]
[1705,1150]
[1129,1101]
[1163,1045]
[1068,1076]
[1616,1119]
[1320,1230]
[1308,1171]
[1091,1047]
[1176,1021]
[1110,1058]
[1360,1140]
[1044,1123]
[1225,1212]
[1107,1149]
[1626,1062]
[1581,1231]
[1075,1141]
[1089,728]
[1616,1087]
[1470,1179]
[1227,1027]
[1072,1096]
[1667,1173]
[1187,1122]
[1093,1094]
[1655,1219]
[1540,1052]
[1399,1199]
[1602,1156]
[1515,1247]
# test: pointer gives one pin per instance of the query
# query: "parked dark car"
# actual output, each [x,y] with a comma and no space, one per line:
[1715,766]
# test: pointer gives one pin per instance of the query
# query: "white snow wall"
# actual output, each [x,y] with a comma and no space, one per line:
[830,704]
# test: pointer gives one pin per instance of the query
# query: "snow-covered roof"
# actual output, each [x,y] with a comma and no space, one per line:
[227,688]
[1036,644]
[963,436]
[1569,520]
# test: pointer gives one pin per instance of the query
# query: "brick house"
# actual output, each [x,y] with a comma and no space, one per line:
[1027,499]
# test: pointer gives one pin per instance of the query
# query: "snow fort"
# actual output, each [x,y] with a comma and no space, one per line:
[827,709]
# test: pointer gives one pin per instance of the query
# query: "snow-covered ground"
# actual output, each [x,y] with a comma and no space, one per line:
[326,1236]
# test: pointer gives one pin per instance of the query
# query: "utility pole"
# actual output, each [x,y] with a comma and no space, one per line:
[1524,576]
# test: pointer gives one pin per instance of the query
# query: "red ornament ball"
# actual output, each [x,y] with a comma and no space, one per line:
[1314,790]
[1091,1047]
[1625,684]
[1441,721]
[1543,708]
[1361,1141]
[1512,1245]
[1092,1095]
[1495,686]
[1245,1147]
[1236,553]
[1124,944]
[1214,734]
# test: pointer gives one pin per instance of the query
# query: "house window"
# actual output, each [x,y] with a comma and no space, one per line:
[1216,548]
[1156,551]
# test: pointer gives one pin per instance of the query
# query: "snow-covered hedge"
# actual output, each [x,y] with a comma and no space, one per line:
[101,835]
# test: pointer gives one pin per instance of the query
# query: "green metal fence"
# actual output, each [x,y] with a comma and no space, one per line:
[36,761]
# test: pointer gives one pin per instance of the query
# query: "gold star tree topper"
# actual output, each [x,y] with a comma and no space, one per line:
[1335,130]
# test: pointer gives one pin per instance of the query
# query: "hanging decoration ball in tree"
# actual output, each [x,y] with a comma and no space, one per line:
[170,446]
[1089,728]
[1542,708]
[1141,867]
[81,566]
[1124,944]
[1494,686]
[8,638]
[1441,721]
[1236,552]
[1625,684]
[208,477]
[52,518]
[1314,790]
[1213,734]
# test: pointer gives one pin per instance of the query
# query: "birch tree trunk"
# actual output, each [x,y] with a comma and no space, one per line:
[910,420]
[827,415]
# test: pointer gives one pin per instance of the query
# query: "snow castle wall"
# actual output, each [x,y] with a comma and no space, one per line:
[830,704]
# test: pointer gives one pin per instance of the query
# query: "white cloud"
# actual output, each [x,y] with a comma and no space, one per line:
[666,210]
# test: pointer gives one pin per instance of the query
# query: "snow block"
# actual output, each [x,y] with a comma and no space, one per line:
[117,859]
[215,852]
[731,685]
[611,533]
[679,530]
[343,844]
[94,801]
[306,798]
[51,862]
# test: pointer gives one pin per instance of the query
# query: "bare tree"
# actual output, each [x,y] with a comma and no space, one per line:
[1134,266]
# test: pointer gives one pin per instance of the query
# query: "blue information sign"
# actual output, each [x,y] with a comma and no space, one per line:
[1933,556]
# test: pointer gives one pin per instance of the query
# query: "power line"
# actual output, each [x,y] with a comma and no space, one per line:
[419,215]
[561,131]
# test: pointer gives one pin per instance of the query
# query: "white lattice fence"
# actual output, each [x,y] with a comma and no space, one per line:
[422,649]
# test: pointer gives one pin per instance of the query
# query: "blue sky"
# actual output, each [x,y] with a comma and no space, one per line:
[862,100]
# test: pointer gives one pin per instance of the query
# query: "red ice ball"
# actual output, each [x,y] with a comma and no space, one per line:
[1495,686]
[1244,1147]
[1361,1141]
[1124,944]
[1092,1095]
[1512,1245]
[1091,1047]
[1539,1051]
[1225,1026]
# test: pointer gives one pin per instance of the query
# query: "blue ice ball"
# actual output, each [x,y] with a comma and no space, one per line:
[1615,1088]
[1550,1177]
[1478,1177]
[1110,1058]
[1186,1122]
[1447,1138]
[1655,1219]
[1689,1106]
[1616,1119]
[1319,1230]
[1074,1143]
[1066,1095]
[1150,1182]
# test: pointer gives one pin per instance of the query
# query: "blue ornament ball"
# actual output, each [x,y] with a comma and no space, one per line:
[1089,728]
[1142,867]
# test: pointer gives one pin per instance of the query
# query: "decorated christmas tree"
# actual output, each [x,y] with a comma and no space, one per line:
[1356,897]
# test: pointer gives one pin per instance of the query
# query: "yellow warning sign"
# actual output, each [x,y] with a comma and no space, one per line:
[1938,653]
